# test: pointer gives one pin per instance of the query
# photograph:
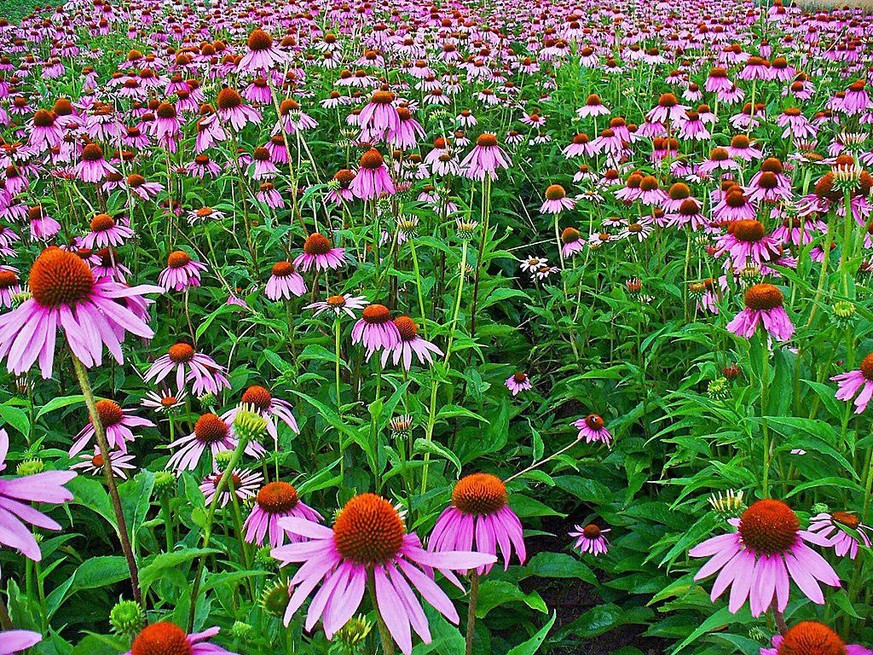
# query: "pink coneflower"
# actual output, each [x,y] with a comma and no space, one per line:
[651,193]
[762,557]
[372,179]
[318,252]
[856,100]
[593,107]
[284,282]
[232,110]
[207,375]
[261,55]
[66,294]
[593,430]
[116,422]
[379,117]
[261,401]
[242,483]
[93,464]
[518,382]
[556,200]
[667,110]
[835,528]
[202,166]
[344,304]
[485,159]
[164,638]
[812,638]
[45,133]
[408,132]
[742,148]
[204,214]
[571,242]
[262,167]
[862,379]
[164,401]
[375,329]
[144,190]
[10,285]
[747,243]
[764,306]
[479,519]
[92,167]
[275,501]
[796,125]
[581,146]
[181,273]
[369,538]
[719,160]
[410,344]
[106,231]
[210,431]
[17,641]
[16,496]
[591,539]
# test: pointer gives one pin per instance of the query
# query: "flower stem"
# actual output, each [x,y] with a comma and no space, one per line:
[384,634]
[168,522]
[471,611]
[100,433]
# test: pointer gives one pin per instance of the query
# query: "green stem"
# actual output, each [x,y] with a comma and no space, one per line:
[103,444]
[471,611]
[384,634]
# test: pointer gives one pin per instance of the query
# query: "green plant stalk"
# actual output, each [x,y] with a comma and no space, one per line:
[167,517]
[471,611]
[210,518]
[384,634]
[823,276]
[764,374]
[418,285]
[100,434]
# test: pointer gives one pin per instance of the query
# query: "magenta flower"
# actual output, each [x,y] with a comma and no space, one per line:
[16,511]
[747,243]
[835,528]
[284,282]
[211,432]
[106,231]
[410,344]
[849,383]
[762,557]
[262,55]
[485,158]
[556,200]
[518,382]
[592,429]
[479,519]
[318,252]
[207,375]
[812,638]
[16,641]
[375,329]
[379,118]
[764,306]
[242,483]
[92,167]
[232,110]
[93,464]
[372,179]
[66,294]
[591,539]
[369,538]
[161,638]
[181,273]
[116,422]
[275,501]
[270,408]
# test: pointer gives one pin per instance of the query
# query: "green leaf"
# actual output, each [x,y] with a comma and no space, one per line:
[494,593]
[149,574]
[559,565]
[90,493]
[60,402]
[533,644]
[100,571]
[15,417]
[422,445]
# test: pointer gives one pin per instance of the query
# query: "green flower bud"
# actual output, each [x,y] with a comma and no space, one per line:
[248,424]
[728,505]
[165,482]
[718,389]
[30,467]
[127,618]
[265,560]
[274,600]
[355,631]
[242,631]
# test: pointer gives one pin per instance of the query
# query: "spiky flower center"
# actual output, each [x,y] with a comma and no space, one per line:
[768,180]
[519,377]
[689,207]
[210,429]
[181,353]
[259,40]
[376,314]
[178,259]
[161,639]
[92,152]
[591,531]
[479,494]
[811,638]
[229,98]
[406,326]
[769,527]
[257,396]
[368,530]
[772,165]
[486,141]
[59,277]
[847,519]
[747,230]
[668,100]
[102,222]
[109,413]
[679,191]
[763,297]
[7,279]
[283,269]
[594,422]
[867,366]
[277,497]
[317,244]
[570,235]
[649,183]
[555,192]
[372,160]
[382,98]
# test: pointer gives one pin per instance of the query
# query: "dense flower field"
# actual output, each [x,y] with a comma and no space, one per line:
[456,327]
